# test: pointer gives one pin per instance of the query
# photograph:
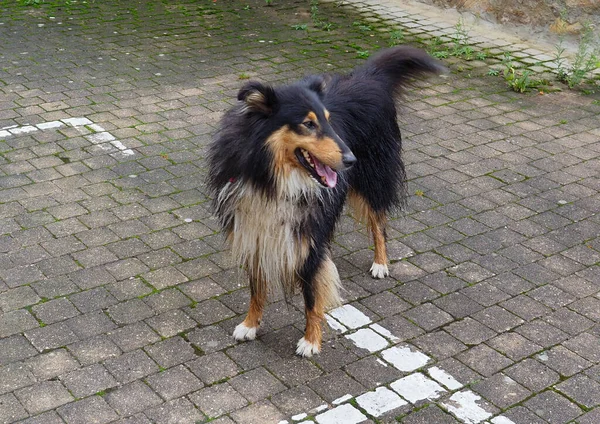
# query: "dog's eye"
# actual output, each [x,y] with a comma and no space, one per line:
[310,125]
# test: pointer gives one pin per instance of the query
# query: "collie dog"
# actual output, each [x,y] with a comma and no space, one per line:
[284,162]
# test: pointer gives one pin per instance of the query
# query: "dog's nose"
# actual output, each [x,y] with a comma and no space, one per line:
[348,159]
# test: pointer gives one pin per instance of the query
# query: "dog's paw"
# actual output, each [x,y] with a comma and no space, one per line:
[306,348]
[379,270]
[242,332]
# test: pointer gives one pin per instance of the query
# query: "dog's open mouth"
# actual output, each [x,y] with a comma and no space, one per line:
[322,173]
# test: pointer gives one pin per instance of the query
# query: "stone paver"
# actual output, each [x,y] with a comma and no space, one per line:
[118,297]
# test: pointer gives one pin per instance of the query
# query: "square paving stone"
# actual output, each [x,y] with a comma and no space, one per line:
[217,400]
[51,336]
[429,415]
[501,390]
[252,354]
[542,333]
[293,371]
[532,374]
[91,324]
[170,323]
[16,322]
[90,410]
[10,409]
[14,376]
[89,380]
[130,311]
[439,344]
[170,352]
[458,305]
[94,350]
[582,390]
[132,398]
[263,411]
[131,366]
[428,316]
[175,411]
[514,346]
[563,361]
[43,396]
[484,360]
[213,367]
[497,318]
[256,384]
[296,400]
[470,331]
[133,336]
[372,372]
[52,364]
[335,385]
[174,382]
[585,345]
[553,407]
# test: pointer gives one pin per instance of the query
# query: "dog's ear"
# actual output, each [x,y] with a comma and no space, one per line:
[258,97]
[318,83]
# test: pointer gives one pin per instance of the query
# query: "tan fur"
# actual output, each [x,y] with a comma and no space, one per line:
[284,142]
[375,223]
[327,296]
[263,237]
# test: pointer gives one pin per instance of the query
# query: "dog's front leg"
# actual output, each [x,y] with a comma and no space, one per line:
[320,292]
[258,296]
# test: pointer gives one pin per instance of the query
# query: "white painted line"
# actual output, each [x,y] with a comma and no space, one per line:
[350,316]
[101,137]
[23,130]
[343,414]
[384,332]
[77,122]
[49,125]
[502,420]
[444,378]
[336,326]
[365,338]
[385,364]
[416,387]
[464,406]
[341,399]
[404,359]
[321,408]
[380,401]
[96,128]
[299,416]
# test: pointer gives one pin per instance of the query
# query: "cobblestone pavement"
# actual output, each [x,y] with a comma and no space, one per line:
[117,297]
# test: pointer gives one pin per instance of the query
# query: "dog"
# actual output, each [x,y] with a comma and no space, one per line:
[283,164]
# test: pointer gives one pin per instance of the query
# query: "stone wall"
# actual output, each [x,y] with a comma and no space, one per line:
[558,16]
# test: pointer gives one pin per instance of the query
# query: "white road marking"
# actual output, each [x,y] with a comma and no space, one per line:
[365,338]
[343,414]
[341,399]
[416,387]
[464,406]
[100,136]
[384,332]
[350,316]
[405,359]
[380,401]
[444,378]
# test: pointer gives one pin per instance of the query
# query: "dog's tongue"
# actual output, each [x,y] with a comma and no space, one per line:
[325,171]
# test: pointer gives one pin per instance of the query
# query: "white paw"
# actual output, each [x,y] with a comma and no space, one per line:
[242,332]
[306,348]
[379,270]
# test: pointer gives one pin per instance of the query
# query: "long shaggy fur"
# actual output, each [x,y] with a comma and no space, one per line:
[280,169]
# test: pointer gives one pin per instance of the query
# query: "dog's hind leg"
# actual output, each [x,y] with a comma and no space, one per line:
[320,293]
[376,222]
[258,296]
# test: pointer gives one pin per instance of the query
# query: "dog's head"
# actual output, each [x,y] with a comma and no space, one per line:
[298,132]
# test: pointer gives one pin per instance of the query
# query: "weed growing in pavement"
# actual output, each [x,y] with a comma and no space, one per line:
[317,21]
[587,59]
[396,37]
[518,81]
[461,41]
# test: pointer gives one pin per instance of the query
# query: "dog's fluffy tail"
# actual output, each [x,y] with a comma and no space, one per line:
[398,66]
